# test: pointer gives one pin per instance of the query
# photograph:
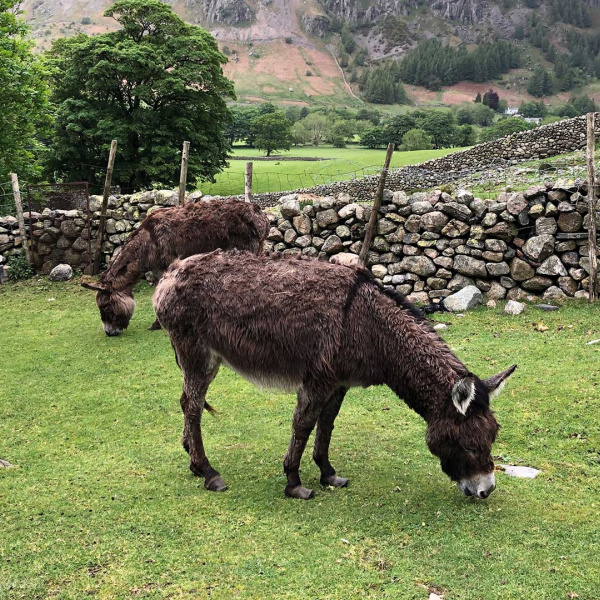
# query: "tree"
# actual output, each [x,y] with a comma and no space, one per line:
[478,97]
[273,132]
[239,128]
[533,109]
[152,84]
[317,126]
[375,137]
[397,126]
[491,99]
[382,86]
[466,136]
[541,83]
[24,112]
[505,127]
[439,125]
[416,139]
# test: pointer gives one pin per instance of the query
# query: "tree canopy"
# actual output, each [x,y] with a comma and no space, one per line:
[24,112]
[273,132]
[151,85]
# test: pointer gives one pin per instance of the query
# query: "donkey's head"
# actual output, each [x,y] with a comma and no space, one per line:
[116,308]
[463,435]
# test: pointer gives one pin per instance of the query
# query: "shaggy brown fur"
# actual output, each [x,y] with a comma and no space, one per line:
[172,233]
[320,329]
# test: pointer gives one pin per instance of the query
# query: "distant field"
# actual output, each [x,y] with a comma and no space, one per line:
[344,163]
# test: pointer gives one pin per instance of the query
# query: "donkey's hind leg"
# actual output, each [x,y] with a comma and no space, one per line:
[311,398]
[155,326]
[193,399]
[323,438]
[156,275]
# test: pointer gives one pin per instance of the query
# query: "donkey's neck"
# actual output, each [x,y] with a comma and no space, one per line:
[127,268]
[418,365]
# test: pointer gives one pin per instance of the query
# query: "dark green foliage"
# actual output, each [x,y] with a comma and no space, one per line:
[478,97]
[505,127]
[347,40]
[394,31]
[466,135]
[375,137]
[541,83]
[19,268]
[240,127]
[440,125]
[396,127]
[382,86]
[151,85]
[433,64]
[273,132]
[533,109]
[416,139]
[577,105]
[574,12]
[369,114]
[288,40]
[24,111]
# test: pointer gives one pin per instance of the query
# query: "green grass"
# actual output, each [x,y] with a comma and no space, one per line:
[343,164]
[101,503]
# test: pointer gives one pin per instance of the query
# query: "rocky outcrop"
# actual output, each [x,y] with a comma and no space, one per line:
[228,12]
[315,25]
[465,11]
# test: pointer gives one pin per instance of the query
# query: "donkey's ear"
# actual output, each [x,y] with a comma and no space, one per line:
[96,287]
[496,383]
[463,393]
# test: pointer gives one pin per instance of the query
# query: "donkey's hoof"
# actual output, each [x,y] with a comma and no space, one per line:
[335,481]
[299,492]
[155,326]
[216,484]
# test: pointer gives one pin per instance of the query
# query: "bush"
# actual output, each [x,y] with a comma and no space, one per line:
[19,268]
[288,40]
[86,21]
[309,73]
[416,139]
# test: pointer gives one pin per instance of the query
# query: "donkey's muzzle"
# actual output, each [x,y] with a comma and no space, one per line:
[480,486]
[111,330]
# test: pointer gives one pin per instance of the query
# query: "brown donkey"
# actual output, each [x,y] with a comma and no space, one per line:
[319,329]
[171,233]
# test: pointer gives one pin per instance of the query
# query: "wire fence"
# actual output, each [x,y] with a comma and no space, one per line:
[7,201]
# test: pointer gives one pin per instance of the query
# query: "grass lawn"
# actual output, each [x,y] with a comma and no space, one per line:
[101,502]
[343,163]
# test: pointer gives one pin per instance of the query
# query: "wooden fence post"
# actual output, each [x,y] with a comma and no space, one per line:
[370,230]
[592,206]
[184,169]
[101,226]
[248,182]
[19,206]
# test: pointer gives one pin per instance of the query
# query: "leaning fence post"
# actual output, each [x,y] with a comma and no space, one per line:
[370,230]
[19,206]
[101,226]
[592,205]
[248,182]
[183,174]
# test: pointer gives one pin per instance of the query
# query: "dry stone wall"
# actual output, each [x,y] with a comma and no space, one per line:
[430,245]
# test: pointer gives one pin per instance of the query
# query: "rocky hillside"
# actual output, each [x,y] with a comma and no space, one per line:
[283,50]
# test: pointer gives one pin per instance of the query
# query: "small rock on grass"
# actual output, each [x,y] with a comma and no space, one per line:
[547,307]
[4,464]
[440,326]
[514,308]
[61,273]
[522,472]
[465,299]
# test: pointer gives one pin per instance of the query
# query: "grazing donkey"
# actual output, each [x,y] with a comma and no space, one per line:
[320,329]
[172,233]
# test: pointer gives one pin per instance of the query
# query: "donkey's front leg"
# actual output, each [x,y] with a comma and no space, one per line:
[310,403]
[323,438]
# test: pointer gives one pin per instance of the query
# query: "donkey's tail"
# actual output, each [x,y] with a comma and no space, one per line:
[210,409]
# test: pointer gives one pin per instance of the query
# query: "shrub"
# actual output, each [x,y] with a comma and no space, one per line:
[288,40]
[86,21]
[19,268]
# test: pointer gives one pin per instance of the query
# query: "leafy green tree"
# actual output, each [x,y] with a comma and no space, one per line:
[396,127]
[439,125]
[533,109]
[375,137]
[541,83]
[273,132]
[382,85]
[317,126]
[478,97]
[466,135]
[483,115]
[240,127]
[505,127]
[152,84]
[416,139]
[24,111]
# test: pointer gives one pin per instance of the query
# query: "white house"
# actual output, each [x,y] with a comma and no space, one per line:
[511,111]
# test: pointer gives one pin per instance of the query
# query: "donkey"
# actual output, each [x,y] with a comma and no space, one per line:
[171,233]
[319,329]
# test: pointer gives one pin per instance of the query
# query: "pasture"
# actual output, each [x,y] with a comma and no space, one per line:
[101,503]
[279,175]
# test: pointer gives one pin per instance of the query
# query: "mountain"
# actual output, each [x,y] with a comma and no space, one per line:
[290,51]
